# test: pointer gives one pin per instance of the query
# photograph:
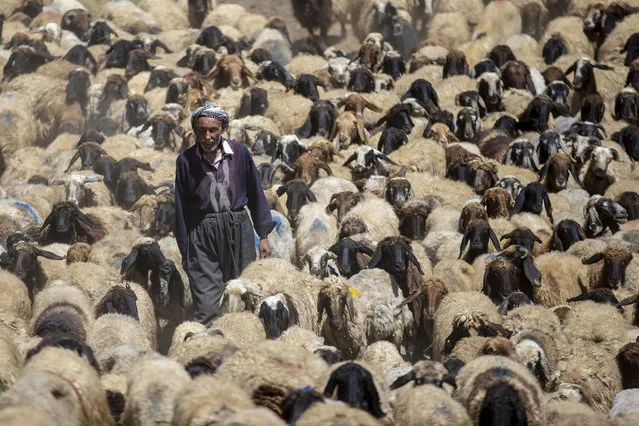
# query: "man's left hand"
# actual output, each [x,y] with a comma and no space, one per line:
[265,248]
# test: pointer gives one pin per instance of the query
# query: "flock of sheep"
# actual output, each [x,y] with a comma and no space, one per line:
[456,203]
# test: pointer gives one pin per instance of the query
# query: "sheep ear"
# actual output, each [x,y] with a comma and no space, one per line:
[377,257]
[310,196]
[129,261]
[509,160]
[494,239]
[48,254]
[363,249]
[411,257]
[360,131]
[350,159]
[464,242]
[411,298]
[571,68]
[281,190]
[519,203]
[602,67]
[615,154]
[556,242]
[402,380]
[575,175]
[532,274]
[628,301]
[548,207]
[321,306]
[593,259]
[73,160]
[331,207]
[306,129]
[176,288]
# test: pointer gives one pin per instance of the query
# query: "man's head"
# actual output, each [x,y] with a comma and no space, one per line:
[209,122]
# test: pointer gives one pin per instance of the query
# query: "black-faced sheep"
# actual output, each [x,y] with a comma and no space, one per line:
[68,225]
[531,198]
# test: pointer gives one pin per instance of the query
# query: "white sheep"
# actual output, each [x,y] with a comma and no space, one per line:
[152,389]
[315,227]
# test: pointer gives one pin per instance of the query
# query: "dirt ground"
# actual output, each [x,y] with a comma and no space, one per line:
[284,9]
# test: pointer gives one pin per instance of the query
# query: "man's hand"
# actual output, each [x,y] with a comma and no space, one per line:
[265,248]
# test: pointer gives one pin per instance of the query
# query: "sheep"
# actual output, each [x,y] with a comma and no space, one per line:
[370,211]
[486,382]
[61,309]
[150,396]
[563,277]
[594,370]
[22,261]
[612,272]
[194,402]
[373,305]
[110,331]
[269,381]
[314,227]
[359,386]
[595,179]
[326,188]
[450,307]
[241,328]
[276,43]
[321,414]
[15,297]
[84,380]
[448,30]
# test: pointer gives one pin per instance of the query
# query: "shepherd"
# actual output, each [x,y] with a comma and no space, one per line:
[215,181]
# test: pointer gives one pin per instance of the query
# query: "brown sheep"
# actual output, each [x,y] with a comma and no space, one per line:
[348,128]
[78,252]
[497,202]
[323,151]
[471,212]
[307,168]
[230,71]
[555,172]
[499,346]
[441,133]
[628,362]
[343,202]
[612,271]
[356,103]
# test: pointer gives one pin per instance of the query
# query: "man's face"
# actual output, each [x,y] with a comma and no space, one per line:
[208,132]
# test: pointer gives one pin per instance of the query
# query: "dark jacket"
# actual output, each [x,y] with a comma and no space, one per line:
[246,190]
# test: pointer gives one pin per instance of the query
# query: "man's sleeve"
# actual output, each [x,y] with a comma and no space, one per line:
[260,212]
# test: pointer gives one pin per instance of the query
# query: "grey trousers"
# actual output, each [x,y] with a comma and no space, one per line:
[219,249]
